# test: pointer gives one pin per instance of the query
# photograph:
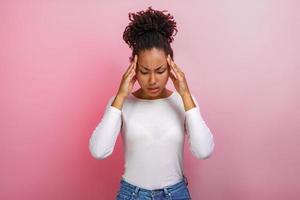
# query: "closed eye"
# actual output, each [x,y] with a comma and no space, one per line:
[160,72]
[144,72]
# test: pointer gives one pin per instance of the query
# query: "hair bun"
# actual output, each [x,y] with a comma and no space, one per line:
[149,22]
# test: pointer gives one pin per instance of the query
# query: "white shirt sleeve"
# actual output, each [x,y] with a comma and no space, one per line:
[201,141]
[104,136]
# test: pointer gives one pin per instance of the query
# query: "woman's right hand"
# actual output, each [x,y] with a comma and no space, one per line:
[128,79]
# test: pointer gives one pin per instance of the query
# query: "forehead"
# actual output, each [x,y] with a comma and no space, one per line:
[152,58]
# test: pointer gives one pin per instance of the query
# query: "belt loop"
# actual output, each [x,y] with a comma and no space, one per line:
[136,190]
[167,193]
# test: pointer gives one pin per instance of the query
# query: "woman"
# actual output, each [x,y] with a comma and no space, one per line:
[153,120]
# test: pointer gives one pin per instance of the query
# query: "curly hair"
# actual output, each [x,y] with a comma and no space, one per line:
[148,29]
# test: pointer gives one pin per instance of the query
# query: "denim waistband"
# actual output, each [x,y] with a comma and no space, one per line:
[167,190]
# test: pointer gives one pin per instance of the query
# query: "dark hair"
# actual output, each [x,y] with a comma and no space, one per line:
[148,29]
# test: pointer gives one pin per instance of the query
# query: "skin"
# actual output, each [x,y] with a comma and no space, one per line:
[152,68]
[152,71]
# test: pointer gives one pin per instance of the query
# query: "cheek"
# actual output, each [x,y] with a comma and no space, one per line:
[165,77]
[141,79]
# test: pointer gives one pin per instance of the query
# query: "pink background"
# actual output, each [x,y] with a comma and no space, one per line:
[60,61]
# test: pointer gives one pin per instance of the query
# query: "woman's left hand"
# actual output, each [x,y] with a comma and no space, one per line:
[178,78]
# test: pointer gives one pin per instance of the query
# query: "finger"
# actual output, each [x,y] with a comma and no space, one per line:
[135,62]
[133,79]
[172,76]
[171,63]
[172,67]
[135,58]
[131,74]
[131,66]
[128,69]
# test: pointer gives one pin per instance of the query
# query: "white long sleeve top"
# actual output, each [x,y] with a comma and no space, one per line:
[153,133]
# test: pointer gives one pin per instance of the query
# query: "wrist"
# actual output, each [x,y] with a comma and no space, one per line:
[120,96]
[186,94]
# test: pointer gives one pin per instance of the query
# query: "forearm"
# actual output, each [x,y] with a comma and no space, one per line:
[118,102]
[188,101]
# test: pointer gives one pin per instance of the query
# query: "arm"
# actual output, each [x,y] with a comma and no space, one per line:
[104,136]
[188,101]
[201,140]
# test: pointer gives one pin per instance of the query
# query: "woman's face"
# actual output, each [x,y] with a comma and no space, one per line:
[152,72]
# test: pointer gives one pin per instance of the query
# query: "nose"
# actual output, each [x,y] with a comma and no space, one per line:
[152,79]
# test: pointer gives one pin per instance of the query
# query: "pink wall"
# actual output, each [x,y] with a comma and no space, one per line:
[60,61]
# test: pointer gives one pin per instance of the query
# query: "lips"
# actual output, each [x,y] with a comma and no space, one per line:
[153,88]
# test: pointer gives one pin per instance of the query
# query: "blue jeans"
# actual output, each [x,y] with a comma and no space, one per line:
[177,191]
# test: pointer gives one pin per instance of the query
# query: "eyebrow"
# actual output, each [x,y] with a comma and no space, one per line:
[149,69]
